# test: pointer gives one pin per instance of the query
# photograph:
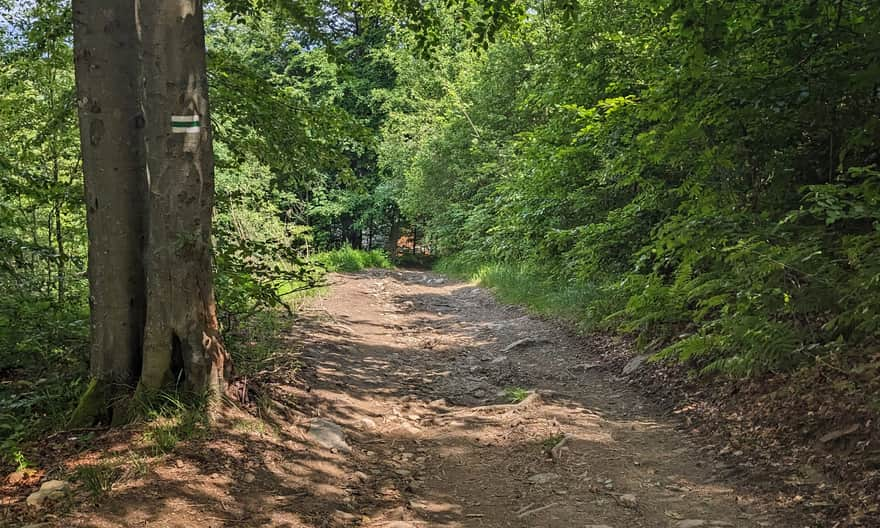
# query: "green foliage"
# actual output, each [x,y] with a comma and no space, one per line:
[171,418]
[702,175]
[43,298]
[516,394]
[582,303]
[551,441]
[348,260]
[254,344]
[98,479]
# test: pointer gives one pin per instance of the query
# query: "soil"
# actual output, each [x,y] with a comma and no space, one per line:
[456,411]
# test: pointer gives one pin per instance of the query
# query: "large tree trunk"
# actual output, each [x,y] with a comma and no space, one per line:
[182,342]
[149,191]
[106,57]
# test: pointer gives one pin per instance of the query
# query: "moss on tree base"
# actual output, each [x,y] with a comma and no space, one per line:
[93,406]
[101,402]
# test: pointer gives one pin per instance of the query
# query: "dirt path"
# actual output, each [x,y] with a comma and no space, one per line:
[413,369]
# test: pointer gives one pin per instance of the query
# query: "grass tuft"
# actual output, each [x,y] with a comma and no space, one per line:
[516,394]
[349,260]
[172,419]
[584,304]
[98,479]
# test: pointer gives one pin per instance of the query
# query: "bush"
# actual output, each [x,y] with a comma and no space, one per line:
[348,259]
[586,304]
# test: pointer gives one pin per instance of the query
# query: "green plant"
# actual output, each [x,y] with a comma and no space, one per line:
[135,465]
[552,441]
[99,479]
[516,394]
[252,426]
[348,259]
[164,438]
[172,418]
[21,462]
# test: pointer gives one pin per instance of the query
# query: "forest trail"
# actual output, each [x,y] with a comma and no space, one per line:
[413,369]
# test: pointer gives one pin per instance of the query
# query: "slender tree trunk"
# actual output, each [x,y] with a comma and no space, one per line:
[62,257]
[393,236]
[106,58]
[182,342]
[59,234]
[57,203]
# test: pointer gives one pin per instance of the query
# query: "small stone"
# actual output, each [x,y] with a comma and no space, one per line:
[628,499]
[36,499]
[328,434]
[543,478]
[834,435]
[52,489]
[360,476]
[583,367]
[179,463]
[690,523]
[249,477]
[54,485]
[344,517]
[523,342]
[635,363]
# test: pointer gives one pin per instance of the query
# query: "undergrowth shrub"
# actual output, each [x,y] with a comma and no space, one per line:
[348,259]
[43,365]
[704,176]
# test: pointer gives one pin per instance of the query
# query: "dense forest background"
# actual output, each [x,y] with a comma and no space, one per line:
[702,176]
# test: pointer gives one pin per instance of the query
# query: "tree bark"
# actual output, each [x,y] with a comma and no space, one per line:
[149,191]
[182,342]
[393,236]
[106,58]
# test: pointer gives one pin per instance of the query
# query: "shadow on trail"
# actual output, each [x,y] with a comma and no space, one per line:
[416,379]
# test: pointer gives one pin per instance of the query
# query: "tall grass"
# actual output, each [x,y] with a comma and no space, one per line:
[585,304]
[347,259]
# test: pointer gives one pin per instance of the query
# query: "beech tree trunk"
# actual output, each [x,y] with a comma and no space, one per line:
[106,58]
[182,342]
[148,166]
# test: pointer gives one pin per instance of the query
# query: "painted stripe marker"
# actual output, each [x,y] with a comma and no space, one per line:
[185,124]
